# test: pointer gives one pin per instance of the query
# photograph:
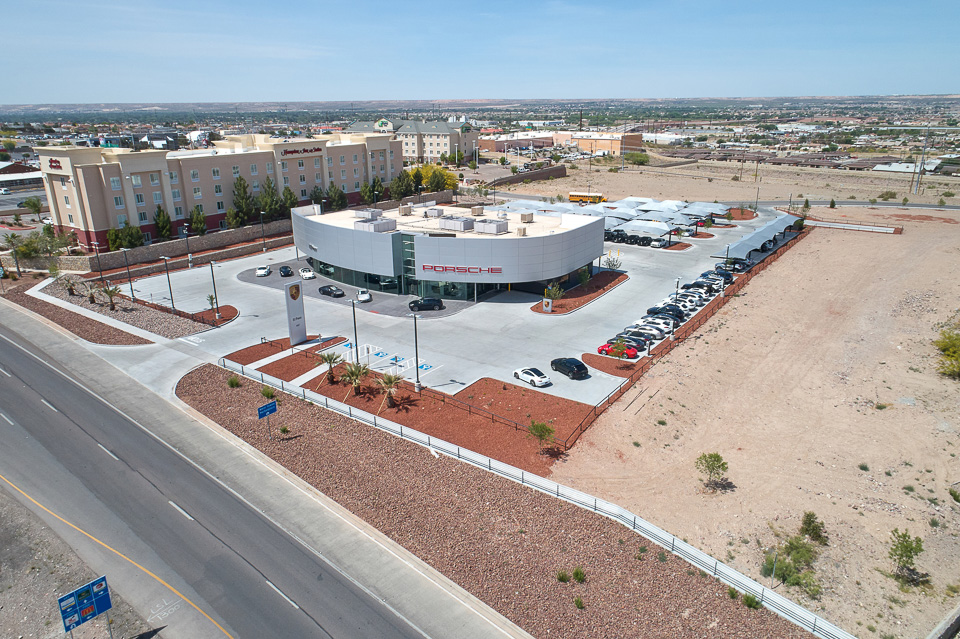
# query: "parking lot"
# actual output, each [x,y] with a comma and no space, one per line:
[457,346]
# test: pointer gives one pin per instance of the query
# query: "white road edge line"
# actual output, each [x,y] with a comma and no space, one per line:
[5,373]
[181,511]
[6,418]
[49,405]
[280,592]
[108,452]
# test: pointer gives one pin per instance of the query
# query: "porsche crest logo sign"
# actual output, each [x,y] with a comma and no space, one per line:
[294,291]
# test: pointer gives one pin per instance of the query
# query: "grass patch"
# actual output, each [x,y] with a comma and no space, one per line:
[641,551]
[579,575]
[733,592]
[267,392]
[880,406]
[955,494]
[563,576]
[578,602]
[863,467]
[661,556]
[934,522]
[662,422]
[751,602]
[908,488]
[233,382]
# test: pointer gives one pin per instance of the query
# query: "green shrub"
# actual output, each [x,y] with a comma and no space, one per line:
[284,430]
[563,576]
[233,382]
[662,422]
[267,392]
[863,467]
[949,346]
[750,601]
[579,575]
[662,556]
[888,195]
[833,203]
[578,602]
[908,488]
[733,592]
[813,527]
[934,522]
[955,494]
[948,194]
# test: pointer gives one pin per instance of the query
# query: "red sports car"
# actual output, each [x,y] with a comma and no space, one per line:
[607,349]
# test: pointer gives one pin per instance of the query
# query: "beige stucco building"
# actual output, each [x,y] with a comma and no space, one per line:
[91,190]
[425,141]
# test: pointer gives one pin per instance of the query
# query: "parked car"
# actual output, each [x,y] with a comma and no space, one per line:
[307,273]
[644,240]
[616,235]
[286,271]
[658,242]
[4,191]
[571,367]
[629,352]
[47,220]
[633,239]
[685,305]
[263,271]
[638,342]
[426,304]
[669,321]
[363,295]
[688,297]
[726,276]
[532,376]
[671,309]
[654,331]
[699,284]
[332,291]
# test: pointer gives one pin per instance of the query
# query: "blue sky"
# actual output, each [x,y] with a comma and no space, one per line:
[238,50]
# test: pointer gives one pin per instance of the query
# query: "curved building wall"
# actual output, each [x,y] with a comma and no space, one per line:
[356,250]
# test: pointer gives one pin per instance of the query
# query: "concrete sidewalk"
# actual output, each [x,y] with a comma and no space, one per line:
[390,573]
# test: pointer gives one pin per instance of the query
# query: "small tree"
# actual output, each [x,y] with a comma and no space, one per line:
[289,201]
[336,198]
[806,205]
[833,203]
[34,205]
[473,165]
[619,348]
[111,292]
[541,431]
[503,160]
[713,466]
[904,550]
[389,385]
[331,359]
[366,193]
[354,375]
[162,221]
[554,292]
[904,201]
[243,202]
[198,221]
[583,276]
[813,528]
[316,195]
[612,263]
[234,219]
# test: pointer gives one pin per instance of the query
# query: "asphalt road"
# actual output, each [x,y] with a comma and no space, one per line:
[10,201]
[80,457]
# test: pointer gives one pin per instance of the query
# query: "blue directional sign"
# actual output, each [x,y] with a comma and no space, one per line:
[267,409]
[85,603]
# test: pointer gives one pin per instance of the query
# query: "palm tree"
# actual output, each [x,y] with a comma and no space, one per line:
[111,292]
[331,359]
[389,385]
[354,374]
[14,241]
[91,289]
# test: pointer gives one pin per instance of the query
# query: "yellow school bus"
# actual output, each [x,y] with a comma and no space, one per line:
[591,198]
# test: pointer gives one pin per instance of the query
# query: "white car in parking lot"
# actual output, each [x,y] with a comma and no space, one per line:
[363,295]
[532,376]
[263,271]
[307,273]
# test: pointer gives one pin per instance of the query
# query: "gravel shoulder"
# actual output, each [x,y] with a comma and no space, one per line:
[501,541]
[818,385]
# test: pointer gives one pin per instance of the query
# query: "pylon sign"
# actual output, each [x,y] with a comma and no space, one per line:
[85,603]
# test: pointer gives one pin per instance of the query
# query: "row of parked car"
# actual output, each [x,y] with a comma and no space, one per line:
[619,236]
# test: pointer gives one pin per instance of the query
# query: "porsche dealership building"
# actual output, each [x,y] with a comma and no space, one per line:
[445,251]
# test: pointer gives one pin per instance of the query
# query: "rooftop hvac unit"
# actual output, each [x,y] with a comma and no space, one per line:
[492,227]
[434,213]
[368,214]
[521,231]
[406,209]
[526,218]
[456,223]
[380,225]
[502,215]
[476,211]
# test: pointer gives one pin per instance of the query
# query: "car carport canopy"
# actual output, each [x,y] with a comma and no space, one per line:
[742,247]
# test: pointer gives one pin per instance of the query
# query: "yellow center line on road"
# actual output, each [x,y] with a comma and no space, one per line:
[118,553]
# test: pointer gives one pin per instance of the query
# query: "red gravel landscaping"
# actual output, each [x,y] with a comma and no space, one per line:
[580,296]
[702,235]
[742,214]
[83,327]
[502,542]
[612,365]
[677,246]
[255,353]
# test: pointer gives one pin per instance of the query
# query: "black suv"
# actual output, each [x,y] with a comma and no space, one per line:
[668,309]
[615,235]
[426,304]
[571,367]
[644,240]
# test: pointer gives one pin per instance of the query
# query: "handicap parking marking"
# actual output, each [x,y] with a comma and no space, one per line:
[425,367]
[396,359]
[381,354]
[348,345]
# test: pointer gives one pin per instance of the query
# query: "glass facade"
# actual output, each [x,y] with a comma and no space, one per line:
[350,277]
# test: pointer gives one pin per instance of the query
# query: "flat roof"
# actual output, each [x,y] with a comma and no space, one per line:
[417,223]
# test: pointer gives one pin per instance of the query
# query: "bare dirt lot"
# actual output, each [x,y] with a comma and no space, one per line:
[818,386]
[711,180]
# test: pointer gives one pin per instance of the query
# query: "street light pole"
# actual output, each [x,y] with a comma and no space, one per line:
[186,236]
[166,267]
[96,247]
[356,344]
[129,279]
[216,300]
[416,352]
[263,236]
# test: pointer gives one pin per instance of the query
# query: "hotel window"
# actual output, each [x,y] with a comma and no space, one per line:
[63,183]
[343,174]
[391,154]
[219,205]
[317,177]
[196,193]
[343,160]
[143,216]
[115,184]
[136,181]
[286,181]
[157,197]
[178,211]
[316,163]
[199,207]
[303,179]
[283,165]
[329,159]
[354,158]
[253,169]
[218,189]
[303,193]
[356,186]
[70,218]
[139,198]
[176,195]
[66,201]
[381,155]
[330,173]
[373,155]
[147,238]
[216,174]
[195,175]
[121,221]
[154,179]
[382,169]
[223,224]
[356,173]
[174,177]
[255,185]
[299,164]
[236,171]
[270,168]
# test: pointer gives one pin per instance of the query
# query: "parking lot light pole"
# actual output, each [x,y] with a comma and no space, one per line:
[216,300]
[263,236]
[96,247]
[186,237]
[356,345]
[129,279]
[678,289]
[416,352]
[166,267]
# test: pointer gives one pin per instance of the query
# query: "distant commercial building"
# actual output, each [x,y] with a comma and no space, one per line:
[447,252]
[610,143]
[424,141]
[91,190]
